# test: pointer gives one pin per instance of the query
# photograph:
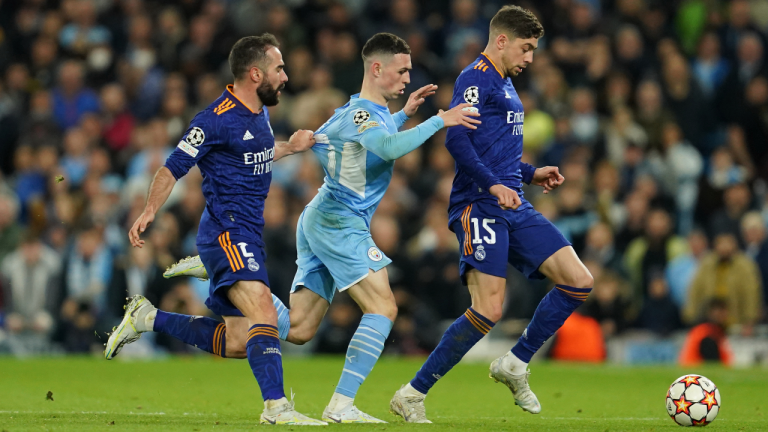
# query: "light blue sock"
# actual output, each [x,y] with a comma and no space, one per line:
[363,352]
[283,317]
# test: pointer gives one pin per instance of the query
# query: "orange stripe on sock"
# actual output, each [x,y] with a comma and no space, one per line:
[222,335]
[262,331]
[235,252]
[481,322]
[226,251]
[215,338]
[475,323]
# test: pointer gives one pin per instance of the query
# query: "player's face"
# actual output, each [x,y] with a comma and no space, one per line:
[518,54]
[395,75]
[274,79]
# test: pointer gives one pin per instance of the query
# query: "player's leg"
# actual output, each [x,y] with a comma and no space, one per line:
[539,250]
[573,283]
[254,300]
[377,302]
[141,316]
[307,312]
[483,266]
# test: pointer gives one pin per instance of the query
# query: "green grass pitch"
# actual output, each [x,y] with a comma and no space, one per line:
[207,394]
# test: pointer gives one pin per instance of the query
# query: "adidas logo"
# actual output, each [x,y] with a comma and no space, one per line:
[247,135]
[507,94]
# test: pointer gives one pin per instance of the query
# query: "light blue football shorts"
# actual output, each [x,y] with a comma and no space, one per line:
[334,252]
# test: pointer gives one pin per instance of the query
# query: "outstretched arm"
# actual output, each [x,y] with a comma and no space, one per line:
[159,190]
[391,147]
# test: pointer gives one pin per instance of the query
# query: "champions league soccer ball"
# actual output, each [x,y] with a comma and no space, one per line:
[693,400]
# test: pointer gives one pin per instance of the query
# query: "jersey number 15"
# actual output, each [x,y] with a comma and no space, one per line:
[476,228]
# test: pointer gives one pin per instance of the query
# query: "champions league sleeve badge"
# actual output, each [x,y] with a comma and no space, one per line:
[195,137]
[361,117]
[472,95]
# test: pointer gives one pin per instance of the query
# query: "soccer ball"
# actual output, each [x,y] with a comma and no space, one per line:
[693,400]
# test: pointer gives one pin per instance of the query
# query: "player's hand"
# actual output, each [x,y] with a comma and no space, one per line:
[417,98]
[548,177]
[139,227]
[458,116]
[301,140]
[508,199]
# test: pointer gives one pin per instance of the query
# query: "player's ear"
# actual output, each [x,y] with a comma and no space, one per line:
[255,75]
[376,67]
[501,41]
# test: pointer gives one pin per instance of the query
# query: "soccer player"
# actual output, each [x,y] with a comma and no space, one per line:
[495,225]
[357,148]
[232,143]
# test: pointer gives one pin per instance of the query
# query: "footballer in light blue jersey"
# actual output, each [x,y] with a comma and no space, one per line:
[357,148]
[495,226]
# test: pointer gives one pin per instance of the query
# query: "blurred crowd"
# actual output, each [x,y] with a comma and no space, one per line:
[655,111]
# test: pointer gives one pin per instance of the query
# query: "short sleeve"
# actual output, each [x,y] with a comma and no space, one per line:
[203,134]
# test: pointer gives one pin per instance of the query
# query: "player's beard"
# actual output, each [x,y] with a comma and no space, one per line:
[268,94]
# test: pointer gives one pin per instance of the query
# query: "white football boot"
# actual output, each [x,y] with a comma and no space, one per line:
[285,414]
[189,266]
[518,384]
[350,414]
[131,327]
[410,408]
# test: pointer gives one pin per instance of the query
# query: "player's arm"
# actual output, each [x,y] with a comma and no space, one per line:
[390,147]
[300,141]
[159,190]
[192,148]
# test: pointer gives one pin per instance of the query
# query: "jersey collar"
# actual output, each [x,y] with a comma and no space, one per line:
[230,88]
[494,64]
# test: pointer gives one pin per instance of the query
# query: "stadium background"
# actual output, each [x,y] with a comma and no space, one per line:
[656,113]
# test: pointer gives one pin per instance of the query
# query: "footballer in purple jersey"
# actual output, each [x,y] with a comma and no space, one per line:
[232,144]
[495,225]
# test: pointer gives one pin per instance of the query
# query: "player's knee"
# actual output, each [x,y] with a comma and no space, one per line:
[301,334]
[584,280]
[581,279]
[490,311]
[252,299]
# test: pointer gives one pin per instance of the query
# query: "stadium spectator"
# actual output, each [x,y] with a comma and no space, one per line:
[71,99]
[707,341]
[737,200]
[10,230]
[650,254]
[32,292]
[659,313]
[753,235]
[579,339]
[729,275]
[681,270]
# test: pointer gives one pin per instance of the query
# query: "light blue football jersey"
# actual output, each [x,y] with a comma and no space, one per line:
[355,177]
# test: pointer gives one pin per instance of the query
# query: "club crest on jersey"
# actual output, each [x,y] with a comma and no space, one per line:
[361,117]
[480,253]
[195,137]
[472,95]
[253,265]
[375,254]
[367,125]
